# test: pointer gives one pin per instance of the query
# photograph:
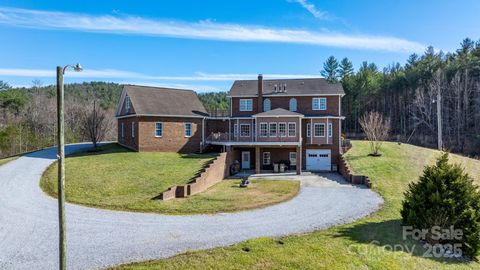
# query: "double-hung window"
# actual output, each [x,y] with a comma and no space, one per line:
[330,130]
[266,158]
[188,130]
[319,104]
[319,130]
[273,129]
[133,129]
[282,129]
[292,156]
[292,129]
[246,105]
[244,130]
[263,129]
[158,129]
[127,104]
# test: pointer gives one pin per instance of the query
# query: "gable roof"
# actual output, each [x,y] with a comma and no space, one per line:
[161,101]
[294,87]
[278,112]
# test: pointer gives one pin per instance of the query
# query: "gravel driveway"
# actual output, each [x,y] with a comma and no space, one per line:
[99,238]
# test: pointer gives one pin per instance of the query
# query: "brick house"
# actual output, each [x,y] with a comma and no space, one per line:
[296,122]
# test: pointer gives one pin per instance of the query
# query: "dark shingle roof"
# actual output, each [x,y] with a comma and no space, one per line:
[164,101]
[278,112]
[311,86]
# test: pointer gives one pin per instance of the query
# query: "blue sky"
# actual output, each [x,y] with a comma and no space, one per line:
[205,45]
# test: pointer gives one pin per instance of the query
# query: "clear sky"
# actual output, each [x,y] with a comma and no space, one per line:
[205,45]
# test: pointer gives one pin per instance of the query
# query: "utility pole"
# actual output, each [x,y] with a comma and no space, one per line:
[62,246]
[439,119]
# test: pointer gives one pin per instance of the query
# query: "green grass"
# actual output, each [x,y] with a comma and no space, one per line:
[116,178]
[358,245]
[5,160]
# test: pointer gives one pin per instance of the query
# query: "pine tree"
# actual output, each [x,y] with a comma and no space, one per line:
[330,70]
[346,69]
[445,196]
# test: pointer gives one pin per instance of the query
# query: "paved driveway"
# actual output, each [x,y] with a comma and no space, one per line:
[99,238]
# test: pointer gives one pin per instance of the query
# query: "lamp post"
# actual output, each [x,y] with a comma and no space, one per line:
[61,162]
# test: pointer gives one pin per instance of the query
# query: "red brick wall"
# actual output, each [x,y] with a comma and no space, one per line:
[172,140]
[319,143]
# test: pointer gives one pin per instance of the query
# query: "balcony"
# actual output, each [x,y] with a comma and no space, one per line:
[226,138]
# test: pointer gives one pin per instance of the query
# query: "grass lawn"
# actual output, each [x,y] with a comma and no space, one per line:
[5,160]
[359,245]
[116,178]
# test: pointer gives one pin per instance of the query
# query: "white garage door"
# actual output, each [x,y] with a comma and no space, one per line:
[319,160]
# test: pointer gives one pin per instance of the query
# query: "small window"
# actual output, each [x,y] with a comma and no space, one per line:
[273,129]
[266,158]
[246,105]
[292,156]
[309,130]
[319,130]
[127,104]
[319,104]
[188,129]
[267,105]
[330,130]
[244,130]
[263,129]
[282,129]
[122,130]
[133,129]
[158,129]
[292,129]
[293,104]
[235,130]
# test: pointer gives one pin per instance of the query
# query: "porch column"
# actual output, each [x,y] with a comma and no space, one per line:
[257,159]
[299,159]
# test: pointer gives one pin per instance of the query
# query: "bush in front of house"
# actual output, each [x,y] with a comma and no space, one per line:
[445,196]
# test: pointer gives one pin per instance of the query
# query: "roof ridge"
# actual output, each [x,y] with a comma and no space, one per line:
[159,87]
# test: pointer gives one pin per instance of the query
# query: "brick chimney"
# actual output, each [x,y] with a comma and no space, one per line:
[260,94]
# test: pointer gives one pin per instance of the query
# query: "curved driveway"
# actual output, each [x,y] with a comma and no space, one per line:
[99,238]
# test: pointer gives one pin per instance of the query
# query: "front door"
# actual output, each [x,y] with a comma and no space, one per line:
[246,160]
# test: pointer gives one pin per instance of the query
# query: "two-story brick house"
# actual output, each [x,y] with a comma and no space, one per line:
[291,121]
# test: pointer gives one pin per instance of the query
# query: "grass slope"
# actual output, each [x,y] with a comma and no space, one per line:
[5,160]
[116,178]
[359,245]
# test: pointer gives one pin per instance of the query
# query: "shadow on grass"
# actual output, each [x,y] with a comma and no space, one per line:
[102,149]
[388,236]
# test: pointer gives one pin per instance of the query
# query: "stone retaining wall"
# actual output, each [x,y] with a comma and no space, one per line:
[346,172]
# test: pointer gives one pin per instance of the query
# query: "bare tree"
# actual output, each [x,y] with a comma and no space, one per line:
[376,128]
[95,123]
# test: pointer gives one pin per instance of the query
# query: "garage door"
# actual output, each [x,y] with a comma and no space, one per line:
[319,160]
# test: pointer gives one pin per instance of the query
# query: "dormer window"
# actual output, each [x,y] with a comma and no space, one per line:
[267,105]
[319,104]
[127,104]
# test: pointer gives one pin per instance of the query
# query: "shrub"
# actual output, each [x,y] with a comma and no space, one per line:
[445,196]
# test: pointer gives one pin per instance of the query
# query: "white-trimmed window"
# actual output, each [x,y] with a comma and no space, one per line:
[127,104]
[292,156]
[319,130]
[158,129]
[246,105]
[244,130]
[267,105]
[272,129]
[330,129]
[122,130]
[319,104]
[293,104]
[282,129]
[235,130]
[263,129]
[188,129]
[309,130]
[133,129]
[292,129]
[266,158]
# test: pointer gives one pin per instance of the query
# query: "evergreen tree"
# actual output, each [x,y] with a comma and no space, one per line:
[330,70]
[346,69]
[445,196]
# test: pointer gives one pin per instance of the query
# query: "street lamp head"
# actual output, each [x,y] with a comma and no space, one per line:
[78,67]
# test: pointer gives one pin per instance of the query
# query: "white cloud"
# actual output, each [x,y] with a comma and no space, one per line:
[207,30]
[319,14]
